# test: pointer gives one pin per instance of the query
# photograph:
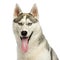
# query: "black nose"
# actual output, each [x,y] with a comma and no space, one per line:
[24,33]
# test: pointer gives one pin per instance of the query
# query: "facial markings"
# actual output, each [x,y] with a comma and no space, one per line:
[31,17]
[22,21]
[16,20]
[28,16]
[29,23]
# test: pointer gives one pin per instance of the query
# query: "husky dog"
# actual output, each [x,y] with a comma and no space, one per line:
[31,43]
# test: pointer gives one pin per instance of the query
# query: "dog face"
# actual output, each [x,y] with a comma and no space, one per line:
[26,27]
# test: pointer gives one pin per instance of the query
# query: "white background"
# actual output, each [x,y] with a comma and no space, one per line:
[49,17]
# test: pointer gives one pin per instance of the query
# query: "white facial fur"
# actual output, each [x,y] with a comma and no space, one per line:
[35,28]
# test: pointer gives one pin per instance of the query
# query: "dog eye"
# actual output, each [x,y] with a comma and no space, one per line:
[20,23]
[29,24]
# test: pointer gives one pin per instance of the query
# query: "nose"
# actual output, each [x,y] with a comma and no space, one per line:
[24,33]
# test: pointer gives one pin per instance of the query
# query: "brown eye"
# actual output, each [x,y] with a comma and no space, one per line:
[29,24]
[20,23]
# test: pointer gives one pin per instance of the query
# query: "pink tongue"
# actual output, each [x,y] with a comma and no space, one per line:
[24,46]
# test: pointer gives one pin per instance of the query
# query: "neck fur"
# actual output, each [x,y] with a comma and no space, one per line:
[32,46]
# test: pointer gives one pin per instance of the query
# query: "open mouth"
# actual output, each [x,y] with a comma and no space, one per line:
[25,41]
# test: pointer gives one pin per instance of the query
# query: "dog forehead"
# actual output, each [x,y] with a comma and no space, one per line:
[25,16]
[23,19]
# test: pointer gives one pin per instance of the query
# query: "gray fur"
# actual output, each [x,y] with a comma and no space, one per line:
[53,55]
[39,49]
[28,16]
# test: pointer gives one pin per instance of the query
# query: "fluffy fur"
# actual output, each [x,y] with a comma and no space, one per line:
[38,47]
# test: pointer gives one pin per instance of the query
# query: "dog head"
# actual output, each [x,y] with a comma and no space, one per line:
[26,27]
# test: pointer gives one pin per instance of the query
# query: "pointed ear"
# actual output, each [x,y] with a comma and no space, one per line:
[34,11]
[17,11]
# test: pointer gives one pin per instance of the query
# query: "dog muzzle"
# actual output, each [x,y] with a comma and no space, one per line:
[24,44]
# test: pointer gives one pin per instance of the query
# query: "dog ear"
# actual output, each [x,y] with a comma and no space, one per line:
[34,11]
[17,11]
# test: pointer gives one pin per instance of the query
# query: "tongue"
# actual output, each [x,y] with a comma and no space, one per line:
[24,45]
